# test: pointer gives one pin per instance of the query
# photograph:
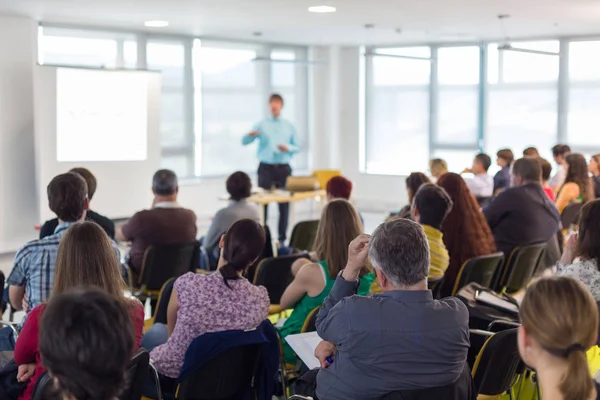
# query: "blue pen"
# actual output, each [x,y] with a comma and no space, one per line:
[329,360]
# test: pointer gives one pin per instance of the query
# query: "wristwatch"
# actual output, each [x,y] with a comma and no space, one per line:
[356,282]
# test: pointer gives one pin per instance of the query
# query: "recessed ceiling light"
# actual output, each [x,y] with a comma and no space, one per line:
[322,9]
[156,24]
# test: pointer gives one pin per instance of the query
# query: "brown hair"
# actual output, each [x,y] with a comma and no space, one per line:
[546,168]
[596,158]
[466,232]
[562,316]
[529,169]
[531,152]
[89,178]
[588,246]
[86,259]
[339,225]
[506,154]
[578,173]
[413,182]
[67,194]
[244,242]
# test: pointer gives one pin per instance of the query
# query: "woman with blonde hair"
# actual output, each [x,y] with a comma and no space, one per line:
[85,259]
[559,324]
[339,225]
[438,167]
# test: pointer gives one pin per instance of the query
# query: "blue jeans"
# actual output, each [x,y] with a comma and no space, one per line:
[7,339]
[158,334]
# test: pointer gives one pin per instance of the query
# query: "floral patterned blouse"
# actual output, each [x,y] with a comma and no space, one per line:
[585,271]
[206,305]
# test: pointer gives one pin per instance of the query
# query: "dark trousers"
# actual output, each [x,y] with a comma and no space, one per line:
[274,176]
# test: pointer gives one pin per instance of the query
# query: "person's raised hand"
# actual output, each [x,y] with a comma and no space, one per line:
[323,351]
[569,251]
[572,241]
[283,148]
[25,372]
[254,133]
[358,251]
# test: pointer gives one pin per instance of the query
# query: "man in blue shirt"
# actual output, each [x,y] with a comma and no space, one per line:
[276,147]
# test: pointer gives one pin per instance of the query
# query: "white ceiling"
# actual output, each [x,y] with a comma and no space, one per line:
[288,21]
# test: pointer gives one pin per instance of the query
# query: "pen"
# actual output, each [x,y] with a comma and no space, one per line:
[329,360]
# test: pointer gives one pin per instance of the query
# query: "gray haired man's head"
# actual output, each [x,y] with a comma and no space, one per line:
[400,250]
[165,183]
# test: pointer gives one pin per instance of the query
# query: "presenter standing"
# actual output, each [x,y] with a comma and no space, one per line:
[276,147]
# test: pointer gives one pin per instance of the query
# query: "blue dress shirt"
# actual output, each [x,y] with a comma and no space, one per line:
[274,132]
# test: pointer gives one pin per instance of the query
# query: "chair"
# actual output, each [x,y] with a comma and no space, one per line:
[160,313]
[275,274]
[136,375]
[521,266]
[310,323]
[478,269]
[161,263]
[223,377]
[435,285]
[39,391]
[570,215]
[495,369]
[303,235]
[324,175]
[269,251]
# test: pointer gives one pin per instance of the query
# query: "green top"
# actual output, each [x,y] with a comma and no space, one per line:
[295,322]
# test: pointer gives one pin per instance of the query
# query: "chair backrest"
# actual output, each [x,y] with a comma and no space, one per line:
[310,323]
[39,390]
[168,261]
[303,235]
[570,215]
[520,267]
[496,365]
[136,376]
[224,377]
[276,274]
[160,314]
[480,270]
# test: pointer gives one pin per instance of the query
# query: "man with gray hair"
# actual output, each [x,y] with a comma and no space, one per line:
[401,339]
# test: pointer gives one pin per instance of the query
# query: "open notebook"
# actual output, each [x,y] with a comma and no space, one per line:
[304,345]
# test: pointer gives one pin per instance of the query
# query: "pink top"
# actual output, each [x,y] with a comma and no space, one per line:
[206,305]
[550,193]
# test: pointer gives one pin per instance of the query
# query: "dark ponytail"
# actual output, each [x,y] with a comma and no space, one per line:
[243,244]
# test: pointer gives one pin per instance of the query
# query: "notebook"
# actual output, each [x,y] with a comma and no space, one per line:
[304,345]
[493,300]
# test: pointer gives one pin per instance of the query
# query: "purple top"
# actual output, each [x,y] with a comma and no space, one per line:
[207,305]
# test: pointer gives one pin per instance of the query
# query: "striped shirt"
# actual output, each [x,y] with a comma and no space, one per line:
[438,253]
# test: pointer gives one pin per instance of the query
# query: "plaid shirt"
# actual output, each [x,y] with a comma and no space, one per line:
[34,267]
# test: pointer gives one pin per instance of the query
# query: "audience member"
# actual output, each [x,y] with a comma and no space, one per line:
[413,183]
[522,214]
[481,185]
[531,152]
[438,167]
[85,259]
[86,343]
[594,169]
[401,339]
[559,152]
[430,207]
[338,226]
[578,186]
[338,187]
[546,172]
[165,223]
[466,233]
[221,301]
[32,276]
[239,188]
[504,161]
[559,323]
[581,255]
[107,224]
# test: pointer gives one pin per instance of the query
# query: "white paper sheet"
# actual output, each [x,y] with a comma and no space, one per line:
[304,345]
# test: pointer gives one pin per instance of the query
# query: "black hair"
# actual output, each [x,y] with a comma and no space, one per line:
[433,203]
[67,194]
[239,186]
[244,242]
[89,178]
[164,182]
[276,97]
[560,150]
[485,160]
[86,342]
[588,247]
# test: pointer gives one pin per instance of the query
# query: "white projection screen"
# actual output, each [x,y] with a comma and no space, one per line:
[103,120]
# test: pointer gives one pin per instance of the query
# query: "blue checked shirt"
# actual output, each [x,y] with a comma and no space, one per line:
[34,267]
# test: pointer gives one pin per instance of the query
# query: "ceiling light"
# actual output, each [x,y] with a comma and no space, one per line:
[156,24]
[322,9]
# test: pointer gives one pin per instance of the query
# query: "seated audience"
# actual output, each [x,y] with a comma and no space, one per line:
[502,177]
[338,187]
[559,152]
[32,277]
[413,183]
[338,226]
[85,259]
[522,214]
[239,188]
[107,224]
[165,223]
[559,323]
[594,169]
[221,301]
[430,207]
[86,344]
[438,167]
[466,233]
[531,152]
[481,185]
[546,172]
[401,339]
[581,255]
[578,186]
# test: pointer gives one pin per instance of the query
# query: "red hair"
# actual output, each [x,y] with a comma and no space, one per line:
[339,187]
[466,232]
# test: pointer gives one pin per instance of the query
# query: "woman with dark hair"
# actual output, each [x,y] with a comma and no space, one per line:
[466,232]
[594,169]
[413,182]
[578,185]
[221,301]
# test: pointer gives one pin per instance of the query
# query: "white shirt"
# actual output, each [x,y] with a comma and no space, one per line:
[559,178]
[481,185]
